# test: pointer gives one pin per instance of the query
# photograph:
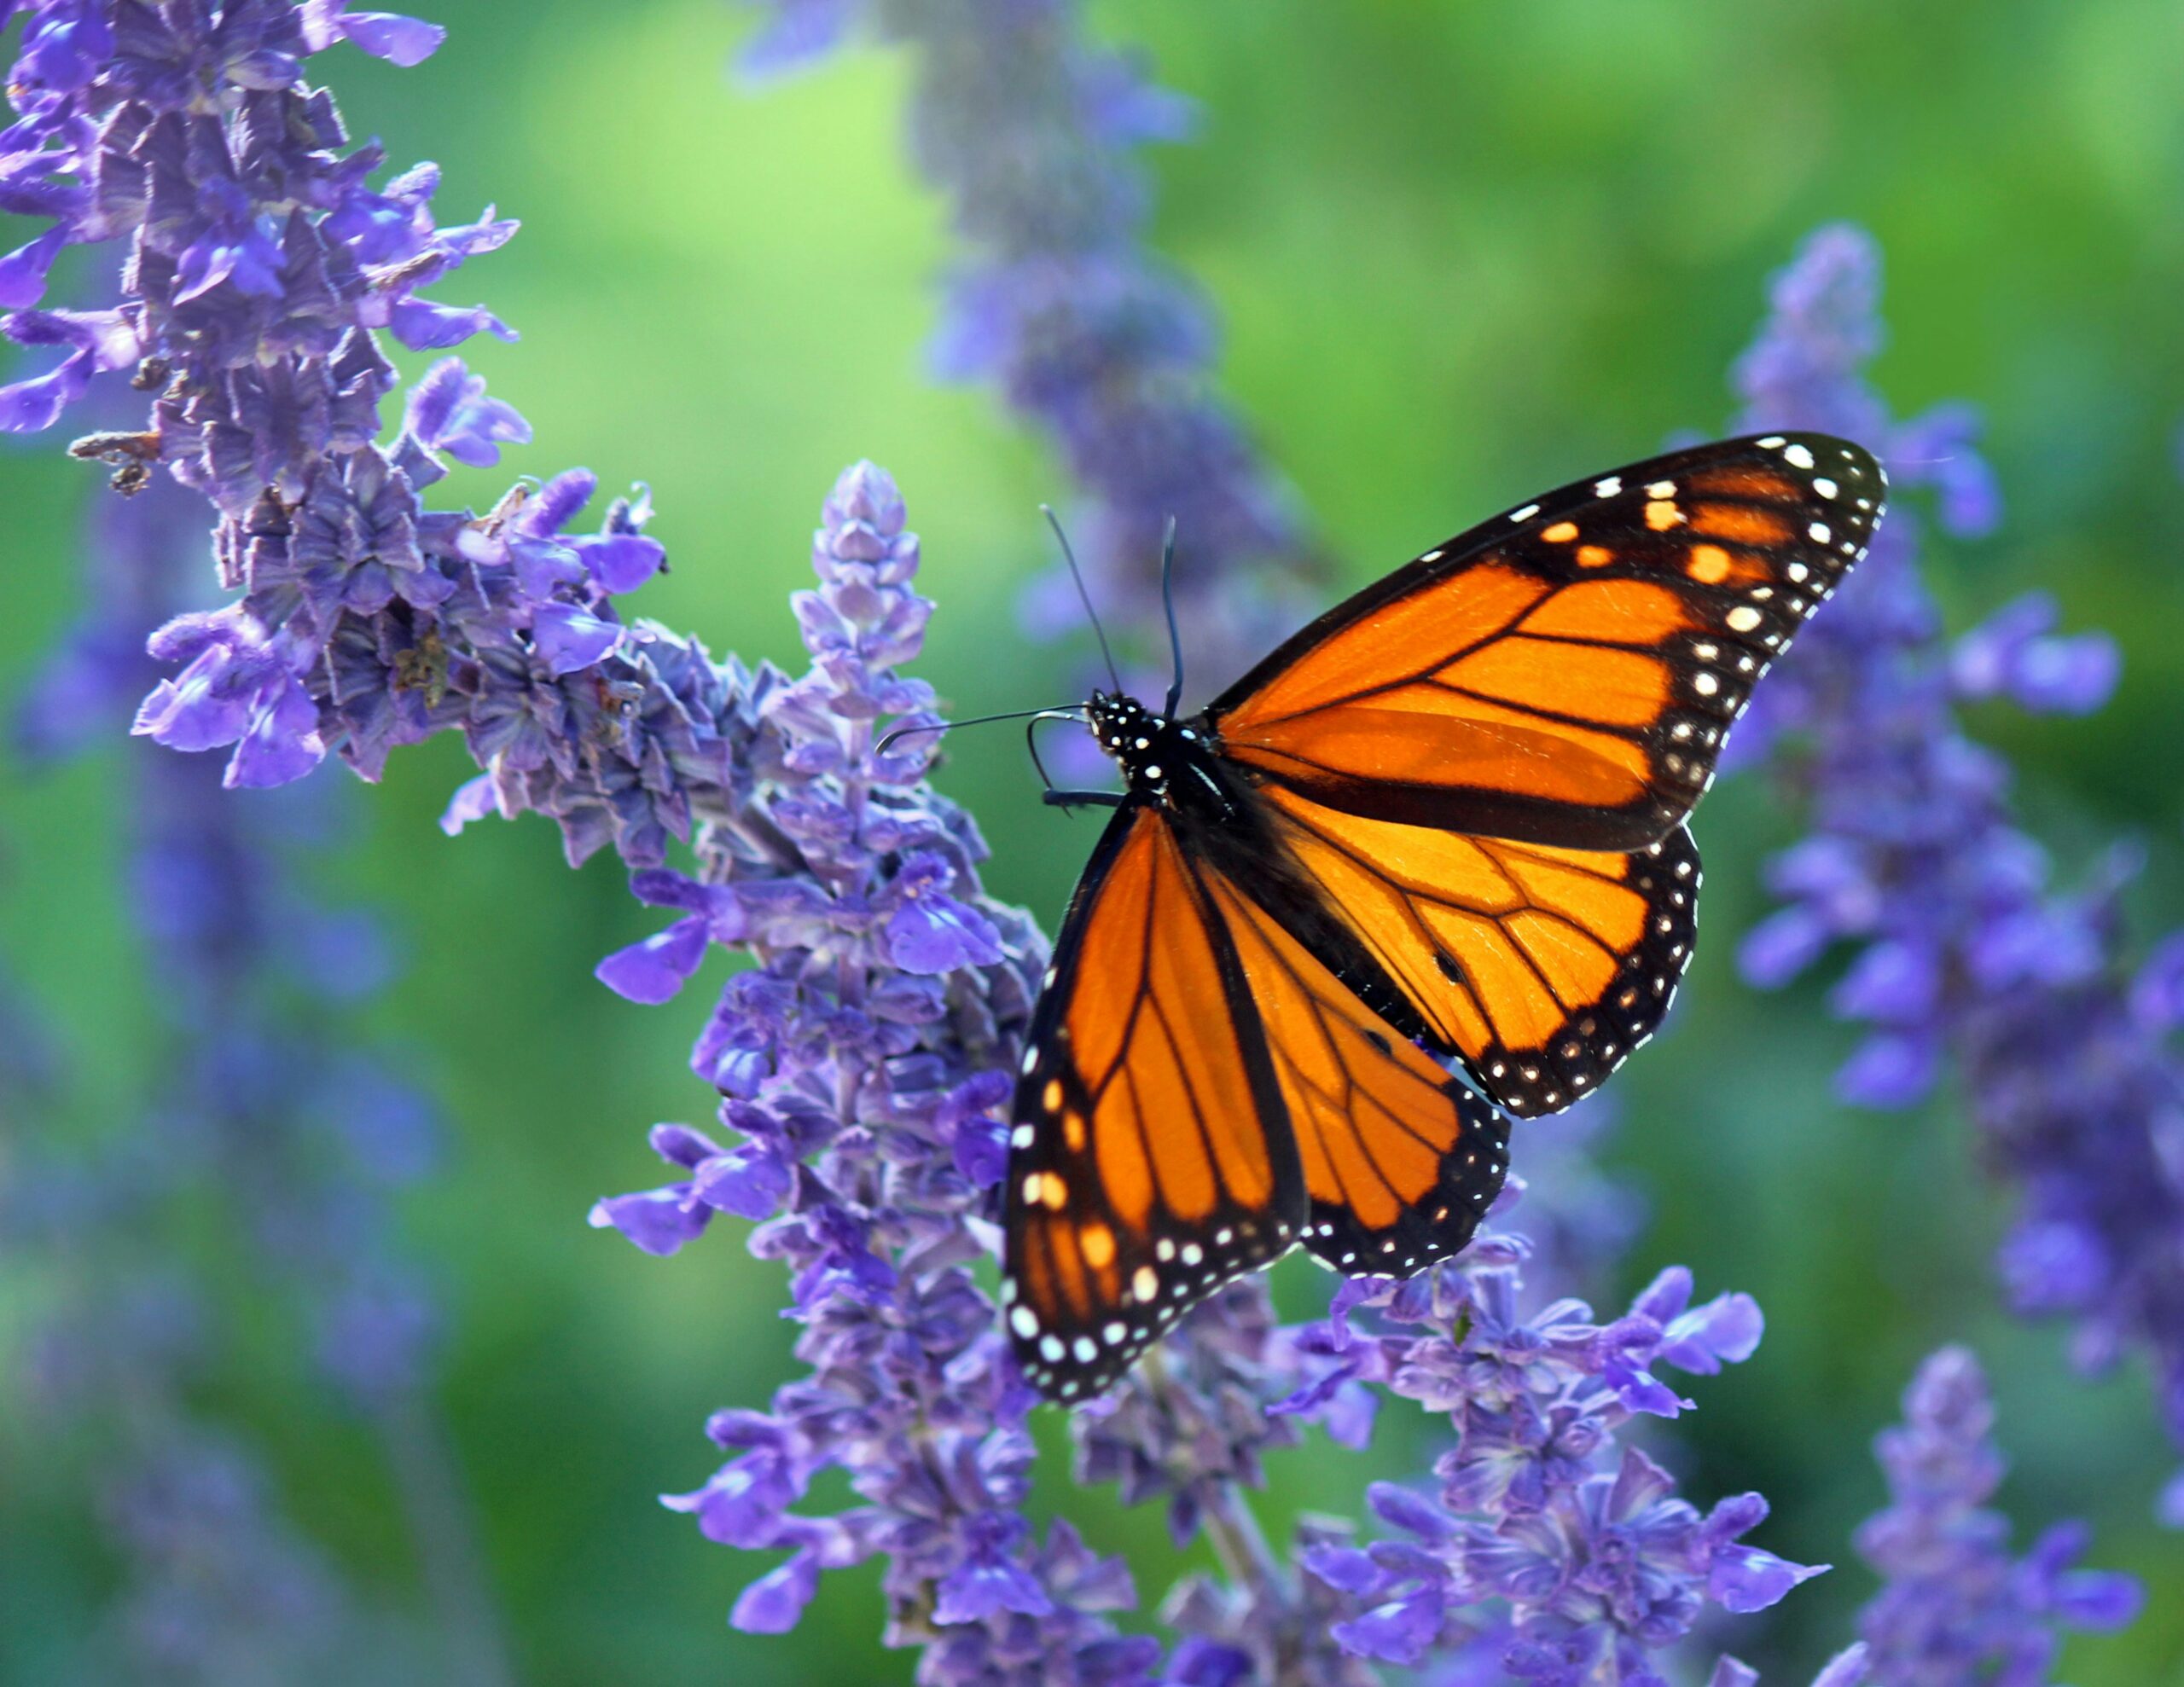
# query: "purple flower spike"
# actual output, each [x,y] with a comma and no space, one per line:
[1965,960]
[269,1115]
[1584,1541]
[1031,131]
[860,1060]
[1956,1606]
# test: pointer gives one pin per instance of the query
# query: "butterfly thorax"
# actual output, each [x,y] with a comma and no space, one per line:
[1170,761]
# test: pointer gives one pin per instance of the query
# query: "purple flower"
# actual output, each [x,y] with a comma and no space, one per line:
[1956,1605]
[2017,654]
[384,35]
[237,687]
[1964,957]
[930,931]
[448,412]
[95,341]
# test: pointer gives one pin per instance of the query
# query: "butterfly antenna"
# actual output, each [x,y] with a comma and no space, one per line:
[1168,603]
[1084,596]
[1068,712]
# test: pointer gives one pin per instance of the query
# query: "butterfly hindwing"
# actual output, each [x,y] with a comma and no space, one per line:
[1150,1157]
[1564,674]
[1400,1160]
[1542,968]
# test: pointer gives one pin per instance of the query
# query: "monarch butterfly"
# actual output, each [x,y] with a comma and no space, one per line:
[1443,823]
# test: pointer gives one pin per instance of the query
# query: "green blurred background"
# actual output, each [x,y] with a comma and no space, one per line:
[1463,252]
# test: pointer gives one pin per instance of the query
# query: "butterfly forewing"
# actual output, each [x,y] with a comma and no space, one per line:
[1150,1157]
[1564,674]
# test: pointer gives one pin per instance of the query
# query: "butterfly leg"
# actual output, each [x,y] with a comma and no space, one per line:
[1084,799]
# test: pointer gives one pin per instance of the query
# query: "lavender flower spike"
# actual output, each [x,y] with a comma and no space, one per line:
[264,271]
[302,1139]
[861,1063]
[1963,954]
[1030,131]
[1957,1607]
[1567,1554]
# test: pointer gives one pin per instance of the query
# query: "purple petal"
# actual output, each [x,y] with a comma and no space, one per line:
[1640,1390]
[1744,1578]
[1781,946]
[1727,1329]
[1890,1070]
[2169,1505]
[31,406]
[1893,982]
[2054,1265]
[1847,1668]
[655,971]
[1412,1513]
[680,1145]
[936,933]
[194,711]
[749,1182]
[406,42]
[1398,1632]
[447,410]
[2158,993]
[662,887]
[567,638]
[659,1220]
[1347,1568]
[474,800]
[976,1590]
[775,1603]
[621,562]
[280,745]
[543,566]
[2100,1600]
[23,271]
[1664,1299]
[423,325]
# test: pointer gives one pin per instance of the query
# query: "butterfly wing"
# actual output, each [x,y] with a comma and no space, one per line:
[1564,674]
[1544,968]
[1401,1161]
[1150,1157]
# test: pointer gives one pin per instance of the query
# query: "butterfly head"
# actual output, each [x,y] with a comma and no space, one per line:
[1150,749]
